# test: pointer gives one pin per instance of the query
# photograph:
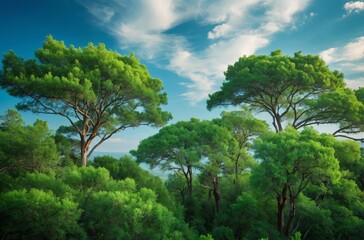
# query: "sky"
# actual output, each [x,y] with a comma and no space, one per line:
[187,44]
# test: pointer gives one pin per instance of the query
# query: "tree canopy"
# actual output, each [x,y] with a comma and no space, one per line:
[181,147]
[229,177]
[292,160]
[300,90]
[23,146]
[99,91]
[244,127]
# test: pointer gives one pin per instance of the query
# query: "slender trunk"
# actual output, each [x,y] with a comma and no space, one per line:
[188,177]
[281,203]
[189,183]
[189,210]
[279,123]
[280,214]
[292,214]
[216,192]
[85,145]
[84,158]
[83,150]
[181,191]
[237,166]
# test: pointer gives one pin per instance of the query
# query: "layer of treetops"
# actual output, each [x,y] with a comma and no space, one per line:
[233,177]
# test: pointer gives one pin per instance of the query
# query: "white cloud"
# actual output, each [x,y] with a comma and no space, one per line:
[350,52]
[354,50]
[236,28]
[354,67]
[283,11]
[102,13]
[350,56]
[206,69]
[220,11]
[355,7]
[349,59]
[219,31]
[355,83]
[328,54]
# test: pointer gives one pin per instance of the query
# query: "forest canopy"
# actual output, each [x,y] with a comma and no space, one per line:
[231,177]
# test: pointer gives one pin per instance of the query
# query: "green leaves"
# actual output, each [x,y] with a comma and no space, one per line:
[37,214]
[105,91]
[290,162]
[183,144]
[298,91]
[85,203]
[29,147]
[295,159]
[132,215]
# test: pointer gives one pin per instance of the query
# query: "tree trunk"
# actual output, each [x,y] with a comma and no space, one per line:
[237,166]
[84,158]
[216,192]
[279,123]
[188,177]
[181,191]
[292,214]
[281,203]
[84,150]
[189,210]
[280,214]
[189,183]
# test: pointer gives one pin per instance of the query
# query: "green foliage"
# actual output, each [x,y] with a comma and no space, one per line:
[132,215]
[296,236]
[346,223]
[182,146]
[68,148]
[298,185]
[110,163]
[343,107]
[244,127]
[223,233]
[77,203]
[86,180]
[299,90]
[206,237]
[315,221]
[45,182]
[290,161]
[23,146]
[126,167]
[99,91]
[349,154]
[295,159]
[185,147]
[248,217]
[242,124]
[36,214]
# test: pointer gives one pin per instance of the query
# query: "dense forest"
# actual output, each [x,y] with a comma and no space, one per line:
[232,177]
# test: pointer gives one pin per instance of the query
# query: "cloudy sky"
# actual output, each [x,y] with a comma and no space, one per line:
[188,44]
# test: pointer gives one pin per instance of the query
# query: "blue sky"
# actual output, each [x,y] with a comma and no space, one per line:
[187,44]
